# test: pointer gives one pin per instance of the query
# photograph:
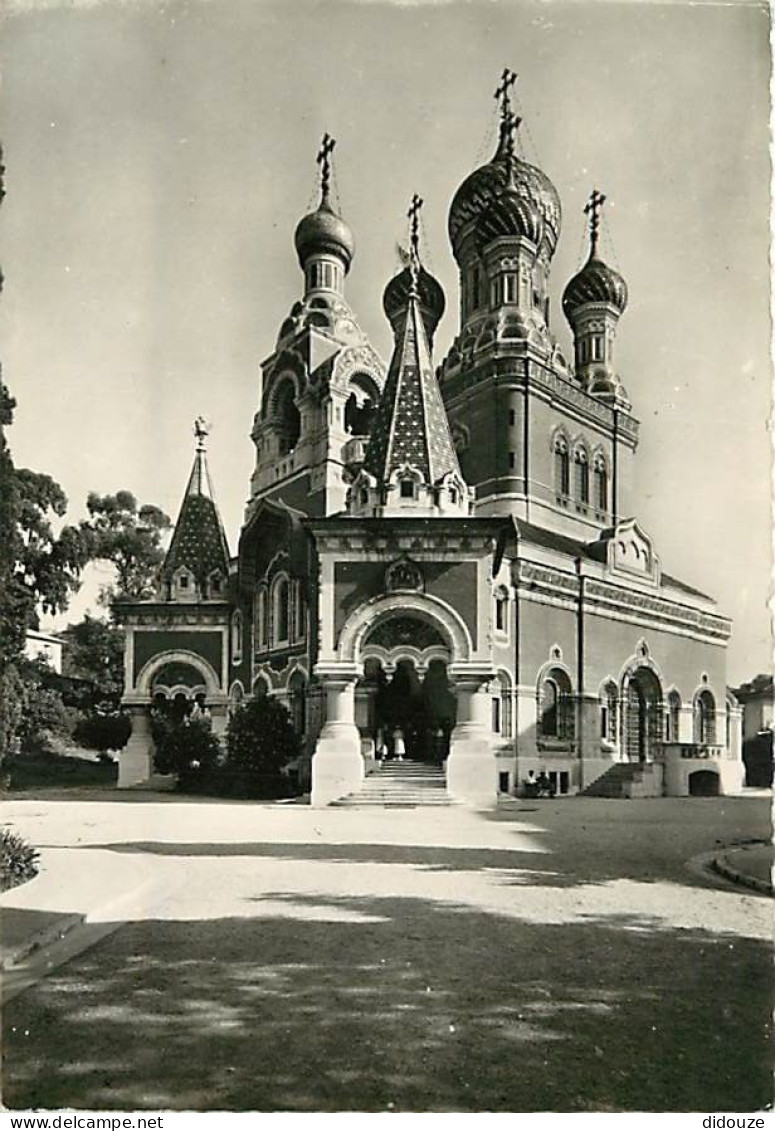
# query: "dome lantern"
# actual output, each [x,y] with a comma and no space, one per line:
[593,302]
[324,241]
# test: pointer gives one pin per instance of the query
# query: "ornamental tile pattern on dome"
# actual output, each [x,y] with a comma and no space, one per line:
[595,282]
[199,542]
[485,184]
[411,426]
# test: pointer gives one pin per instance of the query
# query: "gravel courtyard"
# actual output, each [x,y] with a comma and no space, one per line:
[569,955]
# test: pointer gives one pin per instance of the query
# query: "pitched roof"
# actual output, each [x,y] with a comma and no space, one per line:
[550,540]
[199,542]
[411,426]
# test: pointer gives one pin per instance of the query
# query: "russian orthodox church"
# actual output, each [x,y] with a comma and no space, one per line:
[442,564]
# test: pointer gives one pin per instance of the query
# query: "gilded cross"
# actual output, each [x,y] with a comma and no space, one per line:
[414,218]
[592,209]
[324,160]
[502,95]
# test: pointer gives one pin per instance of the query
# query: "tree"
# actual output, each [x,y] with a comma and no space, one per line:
[261,738]
[128,536]
[95,651]
[185,747]
[103,731]
[38,569]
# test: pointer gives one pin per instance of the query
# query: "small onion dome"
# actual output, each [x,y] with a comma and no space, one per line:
[511,213]
[595,282]
[323,232]
[489,181]
[395,300]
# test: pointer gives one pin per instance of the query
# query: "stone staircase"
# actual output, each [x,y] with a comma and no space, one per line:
[616,781]
[399,785]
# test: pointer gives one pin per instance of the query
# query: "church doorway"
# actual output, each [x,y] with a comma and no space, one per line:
[642,716]
[408,710]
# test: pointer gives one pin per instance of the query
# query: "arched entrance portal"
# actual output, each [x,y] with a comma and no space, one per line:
[407,707]
[642,716]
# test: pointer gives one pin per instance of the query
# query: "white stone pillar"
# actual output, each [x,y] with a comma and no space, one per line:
[337,764]
[135,762]
[472,772]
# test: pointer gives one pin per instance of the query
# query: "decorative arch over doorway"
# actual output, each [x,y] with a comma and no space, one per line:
[642,714]
[445,625]
[178,659]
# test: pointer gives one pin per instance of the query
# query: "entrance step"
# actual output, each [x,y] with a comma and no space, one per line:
[616,781]
[403,785]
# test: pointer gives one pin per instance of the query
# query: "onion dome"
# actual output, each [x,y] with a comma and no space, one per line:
[323,232]
[395,300]
[530,195]
[596,282]
[510,213]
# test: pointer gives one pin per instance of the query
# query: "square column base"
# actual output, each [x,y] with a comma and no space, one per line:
[337,764]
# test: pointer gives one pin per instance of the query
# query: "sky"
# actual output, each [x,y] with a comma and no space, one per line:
[159,156]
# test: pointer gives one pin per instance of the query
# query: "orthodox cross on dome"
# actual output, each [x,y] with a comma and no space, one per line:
[201,431]
[324,161]
[502,94]
[592,209]
[414,220]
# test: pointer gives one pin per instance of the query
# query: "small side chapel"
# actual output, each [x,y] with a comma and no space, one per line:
[442,565]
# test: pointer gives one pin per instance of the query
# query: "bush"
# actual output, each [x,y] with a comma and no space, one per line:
[18,860]
[44,720]
[187,748]
[261,738]
[103,732]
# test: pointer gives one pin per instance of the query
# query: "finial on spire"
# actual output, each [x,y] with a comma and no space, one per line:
[201,431]
[502,94]
[592,209]
[414,219]
[324,161]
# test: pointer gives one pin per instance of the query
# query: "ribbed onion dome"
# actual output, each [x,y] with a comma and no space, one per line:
[395,300]
[324,232]
[595,282]
[513,212]
[481,188]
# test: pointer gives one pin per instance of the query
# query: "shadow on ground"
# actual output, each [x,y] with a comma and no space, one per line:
[373,1004]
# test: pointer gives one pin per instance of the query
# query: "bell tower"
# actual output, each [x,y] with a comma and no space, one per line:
[534,432]
[321,384]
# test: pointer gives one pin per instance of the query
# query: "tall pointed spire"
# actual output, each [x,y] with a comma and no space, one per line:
[197,562]
[411,465]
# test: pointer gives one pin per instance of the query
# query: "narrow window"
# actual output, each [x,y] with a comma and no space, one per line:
[512,416]
[597,348]
[512,459]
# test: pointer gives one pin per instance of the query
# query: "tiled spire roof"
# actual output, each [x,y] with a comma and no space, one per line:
[411,426]
[199,542]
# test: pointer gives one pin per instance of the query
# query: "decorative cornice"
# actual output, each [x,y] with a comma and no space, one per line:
[603,598]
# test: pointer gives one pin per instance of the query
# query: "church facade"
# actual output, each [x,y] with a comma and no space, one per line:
[443,562]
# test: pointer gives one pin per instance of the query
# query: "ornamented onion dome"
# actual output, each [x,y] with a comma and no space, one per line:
[513,212]
[595,282]
[395,300]
[532,194]
[324,232]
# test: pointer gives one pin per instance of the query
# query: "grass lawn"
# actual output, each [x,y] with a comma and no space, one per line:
[29,772]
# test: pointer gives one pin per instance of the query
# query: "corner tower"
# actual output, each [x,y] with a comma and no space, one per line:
[536,438]
[322,382]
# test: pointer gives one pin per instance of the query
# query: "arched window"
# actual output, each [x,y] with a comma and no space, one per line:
[601,484]
[236,638]
[260,633]
[299,612]
[673,717]
[297,689]
[582,476]
[286,417]
[561,466]
[281,608]
[555,706]
[501,616]
[609,704]
[705,718]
